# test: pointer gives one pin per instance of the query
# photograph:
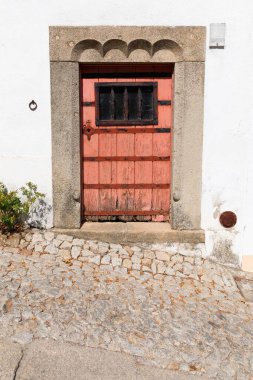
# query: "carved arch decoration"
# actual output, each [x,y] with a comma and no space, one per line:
[127,44]
[138,49]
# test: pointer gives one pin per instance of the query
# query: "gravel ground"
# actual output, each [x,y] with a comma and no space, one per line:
[192,318]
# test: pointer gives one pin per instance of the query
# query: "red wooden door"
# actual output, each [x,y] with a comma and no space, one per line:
[126,124]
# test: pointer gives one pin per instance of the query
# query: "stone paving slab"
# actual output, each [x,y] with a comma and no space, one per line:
[132,232]
[246,288]
[152,373]
[50,360]
[61,361]
[10,356]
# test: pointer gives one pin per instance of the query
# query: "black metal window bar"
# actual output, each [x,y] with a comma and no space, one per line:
[126,103]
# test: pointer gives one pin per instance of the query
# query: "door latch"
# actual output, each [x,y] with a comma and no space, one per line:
[88,130]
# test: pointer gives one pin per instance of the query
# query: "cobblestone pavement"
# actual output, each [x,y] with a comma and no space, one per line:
[177,312]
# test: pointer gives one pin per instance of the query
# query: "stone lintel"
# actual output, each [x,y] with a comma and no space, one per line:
[127,43]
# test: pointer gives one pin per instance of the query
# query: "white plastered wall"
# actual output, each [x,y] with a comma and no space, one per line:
[25,136]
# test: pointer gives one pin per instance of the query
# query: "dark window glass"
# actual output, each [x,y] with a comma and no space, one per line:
[133,103]
[147,103]
[126,103]
[104,103]
[119,103]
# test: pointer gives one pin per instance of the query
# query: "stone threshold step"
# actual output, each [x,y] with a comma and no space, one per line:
[134,232]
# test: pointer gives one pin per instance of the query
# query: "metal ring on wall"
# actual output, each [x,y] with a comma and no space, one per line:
[33,105]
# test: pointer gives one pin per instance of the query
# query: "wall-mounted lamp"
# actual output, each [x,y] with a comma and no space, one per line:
[217,36]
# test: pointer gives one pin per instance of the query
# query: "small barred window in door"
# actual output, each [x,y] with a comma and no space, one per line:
[126,103]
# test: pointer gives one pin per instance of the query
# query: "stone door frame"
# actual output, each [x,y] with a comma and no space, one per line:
[182,46]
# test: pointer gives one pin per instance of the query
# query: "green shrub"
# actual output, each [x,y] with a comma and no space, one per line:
[15,206]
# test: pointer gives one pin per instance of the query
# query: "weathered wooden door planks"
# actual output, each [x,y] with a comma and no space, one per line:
[126,123]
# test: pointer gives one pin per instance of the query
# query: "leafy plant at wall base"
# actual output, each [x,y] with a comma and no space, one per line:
[15,206]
